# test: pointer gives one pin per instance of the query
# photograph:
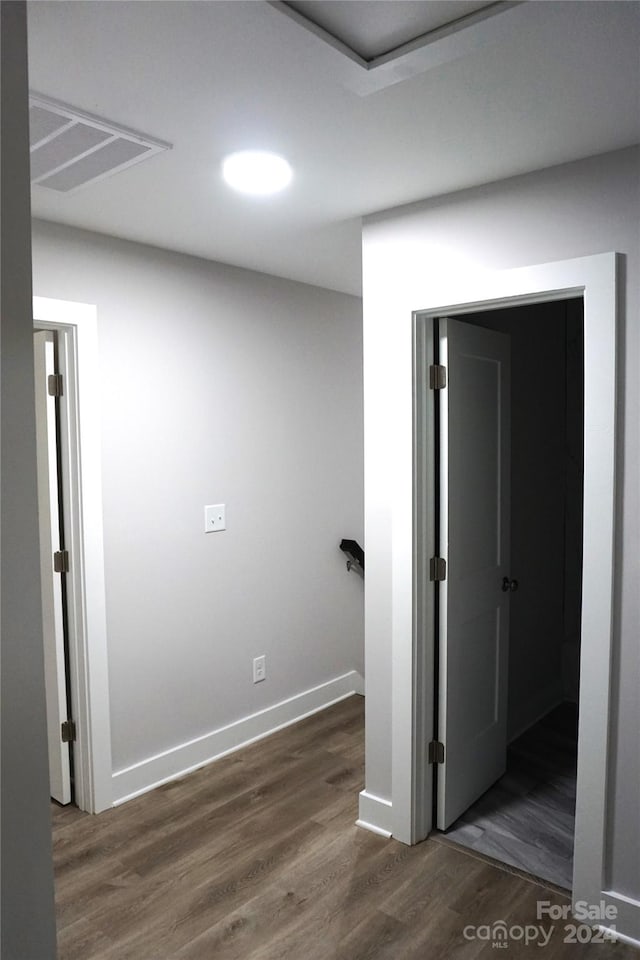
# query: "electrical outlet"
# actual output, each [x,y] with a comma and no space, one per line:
[259,668]
[215,518]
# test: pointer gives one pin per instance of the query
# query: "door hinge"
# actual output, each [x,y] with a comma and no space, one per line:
[437,569]
[437,376]
[54,384]
[68,731]
[436,752]
[61,561]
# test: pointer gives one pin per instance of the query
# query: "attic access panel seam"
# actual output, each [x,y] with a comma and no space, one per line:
[321,20]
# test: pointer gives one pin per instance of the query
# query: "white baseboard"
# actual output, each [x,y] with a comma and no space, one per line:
[626,926]
[375,814]
[178,761]
[622,937]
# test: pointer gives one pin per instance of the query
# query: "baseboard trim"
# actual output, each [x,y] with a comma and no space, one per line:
[621,937]
[626,926]
[375,814]
[373,829]
[174,763]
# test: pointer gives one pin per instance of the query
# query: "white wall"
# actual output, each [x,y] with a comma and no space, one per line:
[560,213]
[219,385]
[28,923]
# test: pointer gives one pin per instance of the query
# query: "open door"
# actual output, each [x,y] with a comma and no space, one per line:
[52,599]
[473,414]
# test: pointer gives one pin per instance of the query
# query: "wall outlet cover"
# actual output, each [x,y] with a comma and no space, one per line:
[215,518]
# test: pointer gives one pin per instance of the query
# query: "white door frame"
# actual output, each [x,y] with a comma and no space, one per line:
[77,328]
[593,278]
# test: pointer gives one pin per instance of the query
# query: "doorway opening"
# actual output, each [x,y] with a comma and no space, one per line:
[594,279]
[526,819]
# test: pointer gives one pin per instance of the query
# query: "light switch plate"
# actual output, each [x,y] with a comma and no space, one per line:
[215,518]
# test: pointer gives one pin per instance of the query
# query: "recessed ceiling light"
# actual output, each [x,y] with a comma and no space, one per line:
[257,172]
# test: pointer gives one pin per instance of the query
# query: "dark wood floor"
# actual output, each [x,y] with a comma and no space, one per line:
[527,819]
[257,857]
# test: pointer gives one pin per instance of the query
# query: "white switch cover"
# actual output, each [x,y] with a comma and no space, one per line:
[215,518]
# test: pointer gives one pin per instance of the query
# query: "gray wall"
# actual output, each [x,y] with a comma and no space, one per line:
[546,499]
[219,385]
[568,211]
[28,926]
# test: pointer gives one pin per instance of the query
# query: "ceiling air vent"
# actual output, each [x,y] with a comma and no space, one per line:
[70,149]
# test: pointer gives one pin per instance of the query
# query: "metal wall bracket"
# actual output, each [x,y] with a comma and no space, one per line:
[355,555]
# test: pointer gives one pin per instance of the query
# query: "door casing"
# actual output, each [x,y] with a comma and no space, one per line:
[593,278]
[81,470]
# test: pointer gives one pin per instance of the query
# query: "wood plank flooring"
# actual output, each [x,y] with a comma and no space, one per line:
[257,857]
[527,819]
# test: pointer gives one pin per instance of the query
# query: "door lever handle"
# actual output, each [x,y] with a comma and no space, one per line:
[509,585]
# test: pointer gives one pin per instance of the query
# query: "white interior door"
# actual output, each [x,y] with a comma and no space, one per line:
[52,600]
[474,517]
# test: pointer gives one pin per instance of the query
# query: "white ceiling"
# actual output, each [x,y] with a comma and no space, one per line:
[542,83]
[372,28]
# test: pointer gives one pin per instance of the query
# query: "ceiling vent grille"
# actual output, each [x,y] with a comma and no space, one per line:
[70,149]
